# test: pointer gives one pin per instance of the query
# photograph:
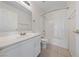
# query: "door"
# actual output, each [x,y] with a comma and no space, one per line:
[72,39]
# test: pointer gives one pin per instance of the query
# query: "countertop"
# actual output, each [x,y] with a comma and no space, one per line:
[9,40]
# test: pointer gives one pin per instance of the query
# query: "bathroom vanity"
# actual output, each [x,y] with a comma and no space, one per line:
[20,46]
[14,16]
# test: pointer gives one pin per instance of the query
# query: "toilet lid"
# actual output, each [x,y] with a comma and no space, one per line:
[44,39]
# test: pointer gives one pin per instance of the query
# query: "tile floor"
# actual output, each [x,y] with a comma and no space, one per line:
[54,51]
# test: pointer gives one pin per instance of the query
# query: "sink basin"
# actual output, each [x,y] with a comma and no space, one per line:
[22,33]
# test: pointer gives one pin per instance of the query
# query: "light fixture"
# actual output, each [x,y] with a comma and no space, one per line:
[43,1]
[26,2]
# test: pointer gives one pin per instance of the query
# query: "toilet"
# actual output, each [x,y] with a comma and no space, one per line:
[44,43]
[43,40]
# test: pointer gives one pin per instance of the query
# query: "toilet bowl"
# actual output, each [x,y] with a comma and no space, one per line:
[44,43]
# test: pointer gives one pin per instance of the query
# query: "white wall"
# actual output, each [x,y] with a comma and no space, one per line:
[60,26]
[37,19]
[12,17]
[73,15]
[8,18]
[24,21]
[77,27]
[71,27]
[56,28]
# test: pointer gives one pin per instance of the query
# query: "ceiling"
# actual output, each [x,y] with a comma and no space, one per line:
[46,6]
[18,5]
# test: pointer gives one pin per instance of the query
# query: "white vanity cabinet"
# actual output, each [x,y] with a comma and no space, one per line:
[37,46]
[28,48]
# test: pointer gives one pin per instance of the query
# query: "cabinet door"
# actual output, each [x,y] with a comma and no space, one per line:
[12,51]
[27,48]
[31,47]
[37,46]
